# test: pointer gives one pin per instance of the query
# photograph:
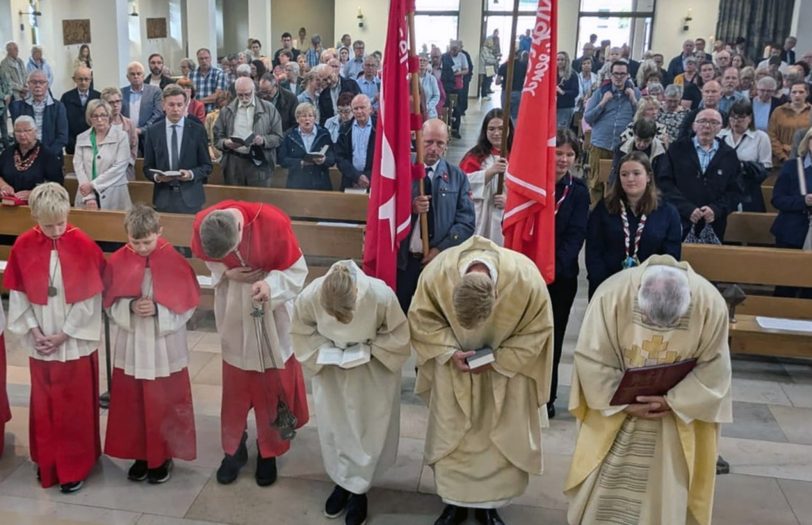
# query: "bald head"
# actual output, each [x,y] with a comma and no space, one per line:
[245,90]
[361,109]
[707,124]
[711,94]
[82,77]
[435,140]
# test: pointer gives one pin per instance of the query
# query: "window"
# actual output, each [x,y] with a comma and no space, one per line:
[435,23]
[619,21]
[498,14]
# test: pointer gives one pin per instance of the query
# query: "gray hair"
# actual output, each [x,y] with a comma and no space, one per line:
[294,67]
[243,70]
[767,83]
[305,107]
[664,295]
[36,73]
[673,90]
[25,119]
[654,88]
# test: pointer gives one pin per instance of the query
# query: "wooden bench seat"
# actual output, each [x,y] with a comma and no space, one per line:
[750,228]
[746,265]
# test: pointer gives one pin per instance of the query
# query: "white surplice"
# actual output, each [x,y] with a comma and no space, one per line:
[357,409]
[81,322]
[488,216]
[149,347]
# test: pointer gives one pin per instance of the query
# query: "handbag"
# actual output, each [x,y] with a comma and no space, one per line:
[705,236]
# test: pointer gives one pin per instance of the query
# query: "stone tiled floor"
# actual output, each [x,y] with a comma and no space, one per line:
[769,447]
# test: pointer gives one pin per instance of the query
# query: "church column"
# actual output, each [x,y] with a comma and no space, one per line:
[201,23]
[259,23]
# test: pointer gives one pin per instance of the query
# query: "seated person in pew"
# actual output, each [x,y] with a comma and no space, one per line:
[101,158]
[28,163]
[630,224]
[150,293]
[54,275]
[177,145]
[307,152]
[792,197]
[659,313]
[349,331]
[355,147]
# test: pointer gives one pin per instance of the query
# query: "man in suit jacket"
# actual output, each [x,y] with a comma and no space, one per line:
[700,176]
[354,157]
[283,100]
[334,85]
[53,130]
[156,75]
[182,194]
[75,102]
[140,102]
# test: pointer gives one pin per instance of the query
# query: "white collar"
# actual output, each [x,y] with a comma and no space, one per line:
[180,123]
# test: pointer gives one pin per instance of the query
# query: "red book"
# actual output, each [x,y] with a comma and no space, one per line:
[654,380]
[11,200]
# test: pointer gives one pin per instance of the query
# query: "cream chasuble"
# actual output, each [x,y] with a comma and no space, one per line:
[81,322]
[149,347]
[488,216]
[484,430]
[357,409]
[628,470]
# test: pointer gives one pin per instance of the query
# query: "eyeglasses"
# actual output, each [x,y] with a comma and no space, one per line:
[619,75]
[38,82]
[705,122]
[100,117]
[738,117]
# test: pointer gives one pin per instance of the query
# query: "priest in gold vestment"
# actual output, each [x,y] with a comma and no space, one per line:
[484,427]
[652,462]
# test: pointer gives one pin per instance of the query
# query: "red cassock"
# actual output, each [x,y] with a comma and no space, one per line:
[5,411]
[64,409]
[268,243]
[151,420]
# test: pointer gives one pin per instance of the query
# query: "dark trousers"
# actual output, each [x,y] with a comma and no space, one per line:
[4,126]
[486,85]
[562,294]
[407,280]
[456,115]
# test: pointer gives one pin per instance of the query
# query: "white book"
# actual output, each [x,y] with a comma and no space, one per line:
[166,173]
[777,323]
[350,357]
[482,357]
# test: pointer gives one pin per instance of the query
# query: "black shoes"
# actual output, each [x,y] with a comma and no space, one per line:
[550,410]
[356,510]
[722,466]
[337,502]
[73,486]
[452,515]
[159,475]
[488,517]
[266,470]
[456,134]
[231,465]
[138,471]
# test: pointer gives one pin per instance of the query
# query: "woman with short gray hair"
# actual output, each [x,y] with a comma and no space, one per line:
[28,163]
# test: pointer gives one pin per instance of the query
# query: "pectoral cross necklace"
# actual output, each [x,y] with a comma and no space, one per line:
[51,275]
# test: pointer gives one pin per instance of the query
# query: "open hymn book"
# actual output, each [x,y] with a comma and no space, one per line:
[316,154]
[350,357]
[167,173]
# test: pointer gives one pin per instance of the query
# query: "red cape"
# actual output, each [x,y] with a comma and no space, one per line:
[80,259]
[268,242]
[471,163]
[174,283]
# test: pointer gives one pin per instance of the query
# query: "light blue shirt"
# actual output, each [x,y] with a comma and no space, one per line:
[360,141]
[704,155]
[370,88]
[308,138]
[761,114]
[179,132]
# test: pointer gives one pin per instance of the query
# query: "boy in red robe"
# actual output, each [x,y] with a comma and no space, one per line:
[257,269]
[54,275]
[150,293]
[5,411]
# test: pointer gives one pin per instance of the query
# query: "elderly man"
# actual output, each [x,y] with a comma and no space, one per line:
[699,50]
[355,65]
[177,144]
[13,70]
[699,176]
[730,86]
[765,102]
[634,462]
[711,96]
[287,45]
[677,64]
[75,102]
[140,102]
[333,85]
[242,71]
[355,146]
[369,82]
[454,70]
[484,426]
[156,75]
[207,79]
[609,111]
[37,63]
[723,60]
[283,100]
[291,82]
[448,202]
[248,131]
[49,114]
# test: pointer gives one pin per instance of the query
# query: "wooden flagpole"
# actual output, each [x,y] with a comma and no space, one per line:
[418,139]
[508,88]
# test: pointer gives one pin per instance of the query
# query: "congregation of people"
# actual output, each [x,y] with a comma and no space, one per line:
[690,140]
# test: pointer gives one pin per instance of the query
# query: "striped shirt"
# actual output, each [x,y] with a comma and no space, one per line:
[206,85]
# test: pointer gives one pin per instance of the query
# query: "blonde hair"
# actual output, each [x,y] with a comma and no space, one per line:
[338,294]
[49,202]
[803,147]
[645,103]
[474,297]
[141,221]
[93,105]
[219,233]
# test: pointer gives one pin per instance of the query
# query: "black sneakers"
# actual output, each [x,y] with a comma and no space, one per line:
[266,470]
[337,502]
[138,471]
[73,486]
[161,474]
[356,510]
[231,465]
